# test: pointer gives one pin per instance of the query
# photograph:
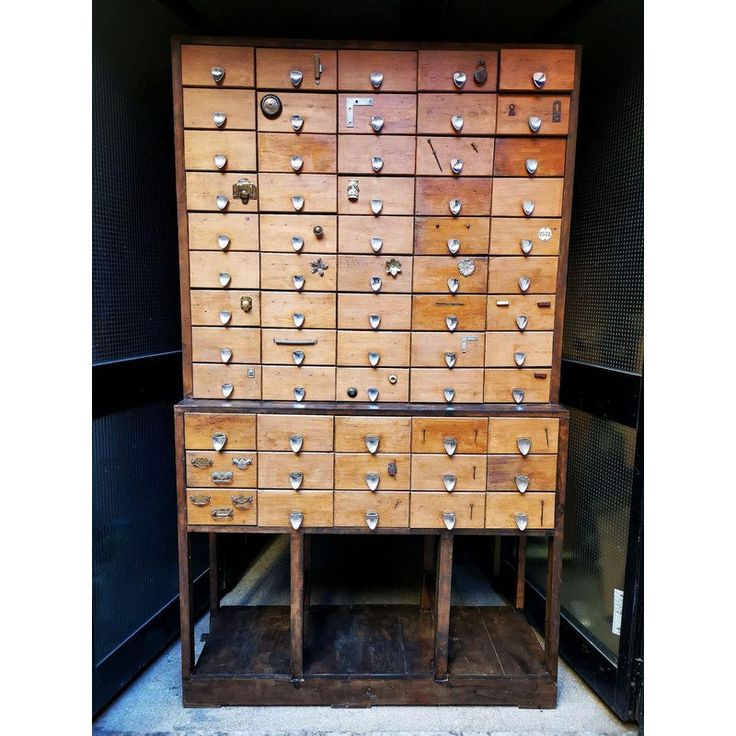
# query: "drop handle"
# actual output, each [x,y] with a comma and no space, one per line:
[223,513]
[241,501]
[200,499]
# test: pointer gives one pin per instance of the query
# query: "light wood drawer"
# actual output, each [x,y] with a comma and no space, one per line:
[460,472]
[210,469]
[429,384]
[280,346]
[505,272]
[236,61]
[428,509]
[539,471]
[476,155]
[203,189]
[395,193]
[317,382]
[478,113]
[437,69]
[274,67]
[398,112]
[351,471]
[275,469]
[500,383]
[205,229]
[358,231]
[541,433]
[276,430]
[241,345]
[502,508]
[353,348]
[318,112]
[225,308]
[363,379]
[278,231]
[354,311]
[279,269]
[434,194]
[431,235]
[318,153]
[279,308]
[393,433]
[507,311]
[210,269]
[399,69]
[351,508]
[428,435]
[431,312]
[357,272]
[397,153]
[518,67]
[213,381]
[546,157]
[431,349]
[435,273]
[507,349]
[507,234]
[201,147]
[276,192]
[516,114]
[509,196]
[239,431]
[221,507]
[203,106]
[275,507]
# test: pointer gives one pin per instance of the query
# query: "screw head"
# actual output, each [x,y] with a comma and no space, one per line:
[352,392]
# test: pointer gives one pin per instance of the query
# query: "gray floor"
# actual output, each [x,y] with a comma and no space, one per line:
[152,705]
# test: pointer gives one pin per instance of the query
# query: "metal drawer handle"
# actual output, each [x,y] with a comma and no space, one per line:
[223,241]
[374,358]
[297,121]
[298,282]
[296,162]
[200,499]
[295,519]
[376,206]
[296,77]
[226,355]
[223,513]
[451,321]
[376,283]
[376,123]
[376,244]
[220,160]
[539,79]
[450,359]
[372,480]
[535,123]
[222,477]
[453,245]
[294,341]
[522,520]
[524,283]
[298,318]
[453,285]
[298,356]
[202,462]
[450,445]
[295,442]
[456,207]
[456,164]
[524,444]
[242,502]
[297,243]
[298,202]
[459,78]
[517,394]
[220,118]
[295,480]
[521,322]
[376,163]
[371,519]
[227,389]
[449,394]
[371,442]
[225,278]
[457,122]
[221,201]
[519,358]
[449,519]
[449,481]
[372,394]
[376,79]
[218,73]
[218,440]
[531,165]
[528,207]
[374,320]
[526,246]
[522,483]
[299,393]
[241,463]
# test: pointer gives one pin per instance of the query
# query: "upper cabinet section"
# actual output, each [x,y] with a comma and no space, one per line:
[217,66]
[458,71]
[377,71]
[537,70]
[297,69]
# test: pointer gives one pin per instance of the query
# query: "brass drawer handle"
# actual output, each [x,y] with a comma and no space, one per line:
[222,477]
[200,499]
[242,502]
[223,513]
[201,462]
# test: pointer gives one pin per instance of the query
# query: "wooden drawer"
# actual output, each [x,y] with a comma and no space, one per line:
[518,67]
[363,379]
[210,469]
[539,471]
[478,113]
[351,471]
[354,311]
[203,189]
[399,70]
[431,312]
[506,349]
[275,469]
[275,507]
[205,229]
[318,153]
[357,274]
[213,381]
[507,311]
[428,435]
[430,349]
[225,308]
[317,110]
[502,508]
[476,155]
[313,433]
[317,382]
[507,234]
[279,308]
[396,195]
[517,113]
[434,194]
[432,235]
[397,152]
[435,274]
[210,269]
[540,432]
[505,272]
[278,232]
[428,510]
[277,191]
[234,109]
[201,147]
[221,507]
[429,384]
[393,433]
[275,66]
[460,472]
[279,347]
[353,348]
[529,157]
[500,383]
[241,345]
[438,68]
[239,431]
[197,63]
[279,269]
[351,508]
[398,112]
[357,233]
[509,196]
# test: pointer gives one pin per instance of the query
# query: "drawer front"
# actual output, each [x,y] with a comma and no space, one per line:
[202,147]
[518,67]
[509,196]
[280,307]
[441,274]
[436,112]
[539,433]
[287,347]
[226,345]
[278,271]
[434,194]
[213,270]
[277,191]
[398,112]
[239,431]
[357,274]
[529,156]
[355,348]
[318,153]
[397,154]
[508,311]
[435,349]
[432,312]
[275,507]
[428,510]
[317,111]
[280,382]
[204,188]
[205,229]
[225,308]
[213,381]
[502,510]
[429,435]
[210,469]
[221,507]
[517,113]
[354,311]
[235,109]
[437,70]
[393,434]
[283,432]
[396,195]
[500,384]
[505,272]
[507,234]
[538,471]
[363,379]
[440,473]
[430,384]
[399,70]
[512,349]
[356,471]
[357,234]
[432,235]
[197,64]
[352,508]
[276,66]
[276,468]
[278,232]
[476,155]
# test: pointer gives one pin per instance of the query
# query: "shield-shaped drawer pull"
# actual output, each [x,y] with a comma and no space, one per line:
[374,358]
[377,123]
[218,441]
[449,394]
[376,283]
[539,79]
[223,241]
[299,393]
[371,442]
[376,244]
[526,246]
[453,245]
[298,282]
[455,206]
[220,160]
[519,358]
[457,122]
[224,278]
[524,283]
[218,74]
[527,207]
[531,165]
[449,519]
[450,359]
[522,521]
[372,480]
[298,202]
[296,163]
[296,518]
[535,123]
[295,77]
[376,206]
[374,320]
[453,285]
[227,390]
[225,317]
[298,318]
[295,442]
[524,444]
[298,357]
[297,243]
[219,118]
[371,519]
[522,483]
[449,481]
[297,122]
[517,394]
[226,355]
[451,321]
[376,163]
[450,445]
[521,322]
[296,479]
[221,201]
[456,165]
[376,79]
[459,79]
[372,394]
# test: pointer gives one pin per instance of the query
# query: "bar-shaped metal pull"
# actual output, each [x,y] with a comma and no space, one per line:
[318,68]
[294,341]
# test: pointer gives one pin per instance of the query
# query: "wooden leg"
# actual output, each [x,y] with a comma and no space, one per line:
[297,605]
[307,570]
[214,575]
[443,592]
[520,573]
[552,613]
[425,601]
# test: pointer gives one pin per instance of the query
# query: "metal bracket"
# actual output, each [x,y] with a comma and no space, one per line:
[352,102]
